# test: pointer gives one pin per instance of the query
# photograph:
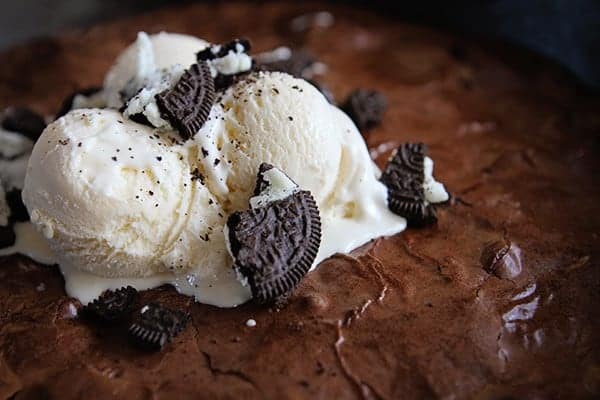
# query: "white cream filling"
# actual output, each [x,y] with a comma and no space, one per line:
[435,192]
[234,62]
[279,187]
[144,102]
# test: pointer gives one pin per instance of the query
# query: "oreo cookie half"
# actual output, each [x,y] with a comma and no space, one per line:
[23,120]
[156,325]
[365,107]
[113,305]
[274,245]
[403,176]
[187,105]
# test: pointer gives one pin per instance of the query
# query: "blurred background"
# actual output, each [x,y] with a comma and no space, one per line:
[567,31]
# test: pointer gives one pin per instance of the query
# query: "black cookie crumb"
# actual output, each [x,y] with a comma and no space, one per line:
[67,103]
[156,325]
[113,305]
[274,246]
[365,107]
[403,176]
[140,119]
[188,104]
[23,120]
[222,82]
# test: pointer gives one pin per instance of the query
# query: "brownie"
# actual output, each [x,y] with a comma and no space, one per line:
[497,300]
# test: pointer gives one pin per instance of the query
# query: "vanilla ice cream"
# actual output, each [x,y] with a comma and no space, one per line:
[142,58]
[124,203]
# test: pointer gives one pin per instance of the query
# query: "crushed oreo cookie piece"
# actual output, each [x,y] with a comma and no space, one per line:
[296,65]
[224,73]
[140,119]
[222,82]
[23,120]
[365,107]
[274,246]
[18,211]
[188,104]
[156,325]
[67,103]
[403,176]
[217,51]
[261,183]
[113,305]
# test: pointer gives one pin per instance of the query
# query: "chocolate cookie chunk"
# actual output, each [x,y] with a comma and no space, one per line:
[274,246]
[261,183]
[222,82]
[113,305]
[188,104]
[156,325]
[365,107]
[217,51]
[23,120]
[403,176]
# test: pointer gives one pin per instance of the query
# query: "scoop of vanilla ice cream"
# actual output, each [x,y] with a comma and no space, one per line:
[144,56]
[275,118]
[113,197]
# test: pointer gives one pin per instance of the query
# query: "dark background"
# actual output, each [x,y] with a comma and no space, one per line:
[567,31]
